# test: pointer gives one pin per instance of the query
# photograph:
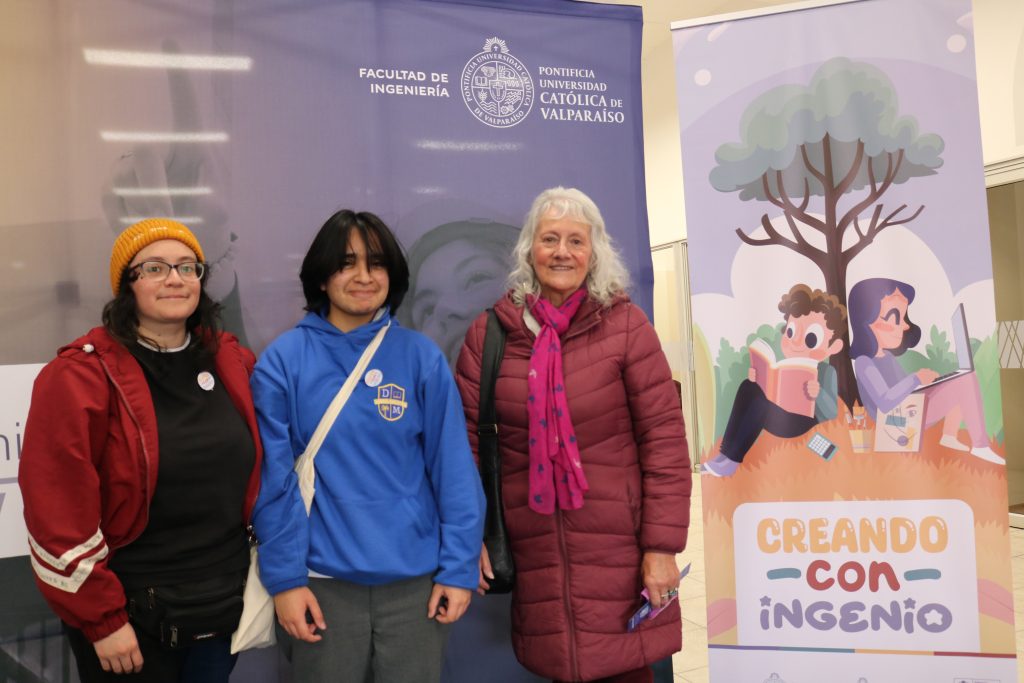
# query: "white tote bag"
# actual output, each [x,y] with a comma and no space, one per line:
[256,627]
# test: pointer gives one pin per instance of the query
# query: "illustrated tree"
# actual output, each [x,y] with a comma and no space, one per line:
[824,155]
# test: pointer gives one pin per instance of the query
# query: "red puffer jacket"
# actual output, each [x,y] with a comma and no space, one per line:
[578,572]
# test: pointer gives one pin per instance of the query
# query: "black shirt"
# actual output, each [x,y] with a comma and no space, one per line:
[206,454]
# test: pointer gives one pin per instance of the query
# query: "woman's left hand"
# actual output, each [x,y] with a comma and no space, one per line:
[448,603]
[661,577]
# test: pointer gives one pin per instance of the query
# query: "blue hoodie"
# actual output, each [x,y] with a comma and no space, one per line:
[397,492]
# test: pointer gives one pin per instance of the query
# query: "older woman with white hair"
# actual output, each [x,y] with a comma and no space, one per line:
[595,477]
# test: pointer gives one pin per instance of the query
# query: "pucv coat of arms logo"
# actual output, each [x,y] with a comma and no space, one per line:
[497,88]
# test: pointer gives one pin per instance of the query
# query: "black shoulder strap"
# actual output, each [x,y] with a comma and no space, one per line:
[488,452]
[494,349]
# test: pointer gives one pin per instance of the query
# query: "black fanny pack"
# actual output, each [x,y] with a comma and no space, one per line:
[188,613]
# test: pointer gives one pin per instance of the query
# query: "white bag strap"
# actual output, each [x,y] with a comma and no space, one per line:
[331,414]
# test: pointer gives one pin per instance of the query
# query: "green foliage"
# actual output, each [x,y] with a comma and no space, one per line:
[941,357]
[772,335]
[704,378]
[986,366]
[912,361]
[852,102]
[730,369]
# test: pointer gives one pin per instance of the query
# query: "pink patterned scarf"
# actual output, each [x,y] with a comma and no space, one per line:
[555,469]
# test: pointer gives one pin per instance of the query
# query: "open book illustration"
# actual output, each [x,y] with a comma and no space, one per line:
[783,381]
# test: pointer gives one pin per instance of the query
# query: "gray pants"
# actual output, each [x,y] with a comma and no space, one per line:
[374,634]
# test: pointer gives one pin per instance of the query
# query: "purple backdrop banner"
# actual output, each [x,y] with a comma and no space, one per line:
[253,122]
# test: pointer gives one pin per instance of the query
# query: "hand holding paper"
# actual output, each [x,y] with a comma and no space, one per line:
[646,611]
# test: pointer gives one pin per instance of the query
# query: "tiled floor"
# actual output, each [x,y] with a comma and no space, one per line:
[691,665]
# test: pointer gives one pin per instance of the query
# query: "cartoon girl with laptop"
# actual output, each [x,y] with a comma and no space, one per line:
[882,331]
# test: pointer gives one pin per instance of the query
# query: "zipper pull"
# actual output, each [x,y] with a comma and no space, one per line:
[151,593]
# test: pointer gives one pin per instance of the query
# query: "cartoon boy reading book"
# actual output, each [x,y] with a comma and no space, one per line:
[789,396]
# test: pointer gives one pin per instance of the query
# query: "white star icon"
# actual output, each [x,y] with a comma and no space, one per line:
[933,617]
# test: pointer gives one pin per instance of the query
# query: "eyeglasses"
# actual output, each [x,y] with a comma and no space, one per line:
[190,271]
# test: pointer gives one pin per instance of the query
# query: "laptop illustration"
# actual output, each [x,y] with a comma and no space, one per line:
[964,352]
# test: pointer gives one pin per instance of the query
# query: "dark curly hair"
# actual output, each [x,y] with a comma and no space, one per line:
[121,317]
[801,300]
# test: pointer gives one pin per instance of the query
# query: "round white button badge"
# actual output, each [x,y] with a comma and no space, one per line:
[206,381]
[373,377]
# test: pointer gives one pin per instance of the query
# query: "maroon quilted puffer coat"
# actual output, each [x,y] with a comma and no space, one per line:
[578,572]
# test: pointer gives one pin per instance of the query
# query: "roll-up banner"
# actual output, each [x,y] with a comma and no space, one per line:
[252,122]
[854,488]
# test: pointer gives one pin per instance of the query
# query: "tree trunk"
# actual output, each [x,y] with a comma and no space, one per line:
[835,274]
[835,283]
[847,380]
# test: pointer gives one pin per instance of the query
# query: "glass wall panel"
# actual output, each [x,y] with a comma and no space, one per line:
[1006,217]
[672,322]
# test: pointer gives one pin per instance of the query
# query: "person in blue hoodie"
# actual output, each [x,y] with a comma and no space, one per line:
[368,584]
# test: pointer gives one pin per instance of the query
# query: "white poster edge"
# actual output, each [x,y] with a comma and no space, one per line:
[761,12]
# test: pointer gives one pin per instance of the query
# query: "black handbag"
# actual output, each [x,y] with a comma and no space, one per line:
[188,613]
[495,535]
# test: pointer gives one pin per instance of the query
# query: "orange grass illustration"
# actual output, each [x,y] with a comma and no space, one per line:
[777,470]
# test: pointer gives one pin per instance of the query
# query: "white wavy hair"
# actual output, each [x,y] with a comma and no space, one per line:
[606,275]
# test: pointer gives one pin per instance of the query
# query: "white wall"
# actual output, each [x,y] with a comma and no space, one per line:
[999,47]
[999,41]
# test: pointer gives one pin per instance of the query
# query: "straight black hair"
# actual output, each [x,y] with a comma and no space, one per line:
[326,256]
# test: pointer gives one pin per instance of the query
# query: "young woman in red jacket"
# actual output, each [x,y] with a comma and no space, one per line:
[594,466]
[139,471]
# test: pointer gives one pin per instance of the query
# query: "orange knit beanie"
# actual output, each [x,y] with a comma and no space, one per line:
[141,234]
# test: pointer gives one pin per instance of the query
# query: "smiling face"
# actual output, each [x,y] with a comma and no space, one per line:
[807,336]
[359,288]
[561,257]
[453,285]
[891,324]
[170,302]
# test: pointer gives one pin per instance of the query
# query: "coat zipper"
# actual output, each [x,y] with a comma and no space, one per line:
[565,595]
[142,440]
